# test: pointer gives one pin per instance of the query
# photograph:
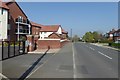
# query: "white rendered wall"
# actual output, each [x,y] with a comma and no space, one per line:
[3,23]
[44,34]
[59,30]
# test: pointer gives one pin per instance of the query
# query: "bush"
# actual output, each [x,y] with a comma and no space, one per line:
[116,45]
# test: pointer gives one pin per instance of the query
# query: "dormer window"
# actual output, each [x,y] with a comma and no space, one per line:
[20,19]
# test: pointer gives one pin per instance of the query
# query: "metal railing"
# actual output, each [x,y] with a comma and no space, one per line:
[11,49]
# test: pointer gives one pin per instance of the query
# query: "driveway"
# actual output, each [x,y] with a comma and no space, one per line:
[21,66]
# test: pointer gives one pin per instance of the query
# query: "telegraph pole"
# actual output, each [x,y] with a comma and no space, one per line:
[71,34]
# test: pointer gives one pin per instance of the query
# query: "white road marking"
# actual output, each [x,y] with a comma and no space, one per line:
[92,48]
[3,76]
[39,66]
[74,64]
[104,55]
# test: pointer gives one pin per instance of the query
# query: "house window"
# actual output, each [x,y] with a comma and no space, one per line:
[2,11]
[20,19]
[9,16]
[8,26]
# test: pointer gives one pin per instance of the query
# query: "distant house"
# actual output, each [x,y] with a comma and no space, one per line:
[52,36]
[48,30]
[117,35]
[110,35]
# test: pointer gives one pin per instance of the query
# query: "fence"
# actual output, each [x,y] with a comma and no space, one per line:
[11,49]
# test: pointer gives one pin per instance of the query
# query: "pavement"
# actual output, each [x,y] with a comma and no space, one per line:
[105,45]
[42,51]
[74,60]
[20,66]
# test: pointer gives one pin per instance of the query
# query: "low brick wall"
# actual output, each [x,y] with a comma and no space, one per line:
[52,44]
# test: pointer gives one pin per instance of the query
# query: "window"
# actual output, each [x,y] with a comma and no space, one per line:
[20,19]
[2,11]
[8,26]
[9,16]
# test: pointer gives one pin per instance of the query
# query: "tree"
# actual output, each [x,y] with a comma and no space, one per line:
[88,37]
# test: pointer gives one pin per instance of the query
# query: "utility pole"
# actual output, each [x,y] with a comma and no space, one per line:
[71,34]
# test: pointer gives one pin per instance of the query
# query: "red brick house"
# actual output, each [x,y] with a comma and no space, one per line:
[51,36]
[18,27]
[110,35]
[113,35]
[117,35]
[18,23]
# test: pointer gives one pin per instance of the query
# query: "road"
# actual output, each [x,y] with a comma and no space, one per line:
[79,60]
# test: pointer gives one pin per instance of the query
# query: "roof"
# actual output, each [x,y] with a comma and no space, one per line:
[13,1]
[113,31]
[3,5]
[50,28]
[36,24]
[117,31]
[65,32]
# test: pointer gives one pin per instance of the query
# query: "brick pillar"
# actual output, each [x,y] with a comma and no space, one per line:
[30,39]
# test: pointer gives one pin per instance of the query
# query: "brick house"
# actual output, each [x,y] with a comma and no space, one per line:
[51,36]
[110,35]
[117,35]
[113,35]
[18,25]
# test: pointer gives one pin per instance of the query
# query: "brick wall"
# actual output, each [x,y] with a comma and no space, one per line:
[52,44]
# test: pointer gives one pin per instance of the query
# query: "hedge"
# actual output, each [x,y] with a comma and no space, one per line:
[116,45]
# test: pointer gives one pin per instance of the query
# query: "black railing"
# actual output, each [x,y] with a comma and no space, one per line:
[12,48]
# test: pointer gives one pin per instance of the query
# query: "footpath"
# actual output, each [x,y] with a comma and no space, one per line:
[105,45]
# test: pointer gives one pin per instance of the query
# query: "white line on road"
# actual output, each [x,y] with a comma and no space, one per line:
[74,64]
[92,48]
[104,55]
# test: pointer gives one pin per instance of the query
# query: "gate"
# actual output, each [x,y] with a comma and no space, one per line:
[12,48]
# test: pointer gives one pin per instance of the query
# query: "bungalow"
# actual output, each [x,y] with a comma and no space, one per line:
[16,24]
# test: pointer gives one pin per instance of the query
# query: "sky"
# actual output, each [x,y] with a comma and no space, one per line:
[81,17]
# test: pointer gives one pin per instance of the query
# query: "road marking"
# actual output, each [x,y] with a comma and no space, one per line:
[40,66]
[3,76]
[74,64]
[104,55]
[92,48]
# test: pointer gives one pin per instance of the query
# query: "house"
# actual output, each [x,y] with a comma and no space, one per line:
[3,20]
[51,36]
[47,31]
[110,35]
[14,22]
[117,35]
[16,26]
[35,29]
